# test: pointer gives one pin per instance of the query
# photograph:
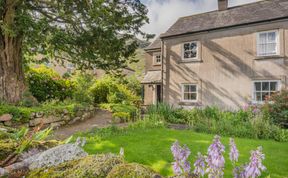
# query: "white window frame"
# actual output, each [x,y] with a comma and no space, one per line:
[254,89]
[155,58]
[277,43]
[197,51]
[182,93]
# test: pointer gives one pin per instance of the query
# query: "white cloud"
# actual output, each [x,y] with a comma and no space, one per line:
[163,13]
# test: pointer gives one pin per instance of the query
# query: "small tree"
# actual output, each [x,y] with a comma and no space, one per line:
[87,33]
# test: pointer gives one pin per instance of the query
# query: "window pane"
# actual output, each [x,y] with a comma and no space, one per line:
[265,95]
[271,48]
[193,96]
[265,86]
[271,37]
[257,86]
[186,46]
[187,54]
[186,88]
[258,96]
[186,96]
[193,46]
[273,86]
[192,88]
[262,38]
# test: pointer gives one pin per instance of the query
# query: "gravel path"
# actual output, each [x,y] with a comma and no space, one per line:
[100,120]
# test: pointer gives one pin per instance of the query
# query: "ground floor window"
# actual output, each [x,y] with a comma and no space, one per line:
[264,89]
[189,92]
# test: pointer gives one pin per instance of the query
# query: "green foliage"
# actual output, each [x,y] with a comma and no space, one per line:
[23,114]
[126,111]
[104,42]
[109,90]
[214,121]
[277,108]
[83,82]
[131,170]
[45,84]
[88,167]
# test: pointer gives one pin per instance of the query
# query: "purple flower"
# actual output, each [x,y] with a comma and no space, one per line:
[245,107]
[234,153]
[239,172]
[180,154]
[199,165]
[215,160]
[254,168]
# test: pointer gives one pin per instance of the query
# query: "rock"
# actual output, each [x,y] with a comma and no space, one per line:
[55,156]
[33,115]
[46,120]
[6,117]
[79,113]
[8,123]
[57,124]
[3,129]
[3,172]
[39,114]
[66,118]
[65,111]
[86,115]
[75,120]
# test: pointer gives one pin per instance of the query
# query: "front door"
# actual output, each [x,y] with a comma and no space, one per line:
[158,94]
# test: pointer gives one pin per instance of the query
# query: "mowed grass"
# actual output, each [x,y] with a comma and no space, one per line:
[152,147]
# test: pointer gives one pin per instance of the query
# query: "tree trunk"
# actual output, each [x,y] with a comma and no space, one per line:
[11,69]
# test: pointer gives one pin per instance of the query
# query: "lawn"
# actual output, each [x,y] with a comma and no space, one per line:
[152,147]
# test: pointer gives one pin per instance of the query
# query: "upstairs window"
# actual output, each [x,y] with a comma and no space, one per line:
[189,92]
[190,51]
[267,43]
[264,89]
[157,59]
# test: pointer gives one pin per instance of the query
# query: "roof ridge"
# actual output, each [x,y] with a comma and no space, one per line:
[229,8]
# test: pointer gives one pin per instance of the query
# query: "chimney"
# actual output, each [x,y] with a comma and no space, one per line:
[222,5]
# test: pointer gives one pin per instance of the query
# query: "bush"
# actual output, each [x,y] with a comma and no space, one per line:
[128,112]
[45,84]
[88,167]
[109,90]
[212,120]
[83,82]
[277,108]
[131,170]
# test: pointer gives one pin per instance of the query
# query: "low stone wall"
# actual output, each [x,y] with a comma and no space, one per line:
[51,120]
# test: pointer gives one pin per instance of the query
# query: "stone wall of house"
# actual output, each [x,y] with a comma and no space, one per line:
[50,120]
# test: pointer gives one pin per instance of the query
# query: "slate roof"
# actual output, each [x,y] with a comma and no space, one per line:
[240,15]
[152,77]
[156,44]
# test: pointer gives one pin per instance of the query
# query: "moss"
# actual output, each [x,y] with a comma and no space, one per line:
[132,170]
[89,167]
[7,147]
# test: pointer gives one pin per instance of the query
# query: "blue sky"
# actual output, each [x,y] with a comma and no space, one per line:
[163,13]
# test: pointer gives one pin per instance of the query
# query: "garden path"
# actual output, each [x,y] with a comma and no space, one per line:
[101,119]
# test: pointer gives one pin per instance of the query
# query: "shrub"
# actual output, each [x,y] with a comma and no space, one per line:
[109,90]
[277,108]
[45,84]
[131,170]
[83,82]
[88,167]
[129,112]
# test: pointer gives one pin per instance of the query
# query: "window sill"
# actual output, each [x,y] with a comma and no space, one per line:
[190,61]
[156,64]
[269,57]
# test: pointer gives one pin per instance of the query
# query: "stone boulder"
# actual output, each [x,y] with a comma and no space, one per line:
[45,120]
[6,117]
[55,156]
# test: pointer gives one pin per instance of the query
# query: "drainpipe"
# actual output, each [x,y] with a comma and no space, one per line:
[162,70]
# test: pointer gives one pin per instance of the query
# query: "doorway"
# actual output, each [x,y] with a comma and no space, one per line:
[158,94]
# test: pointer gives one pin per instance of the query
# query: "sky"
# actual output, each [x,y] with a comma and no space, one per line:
[164,13]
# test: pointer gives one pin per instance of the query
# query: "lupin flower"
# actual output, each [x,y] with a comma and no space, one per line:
[199,165]
[254,168]
[181,165]
[215,160]
[239,172]
[234,153]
